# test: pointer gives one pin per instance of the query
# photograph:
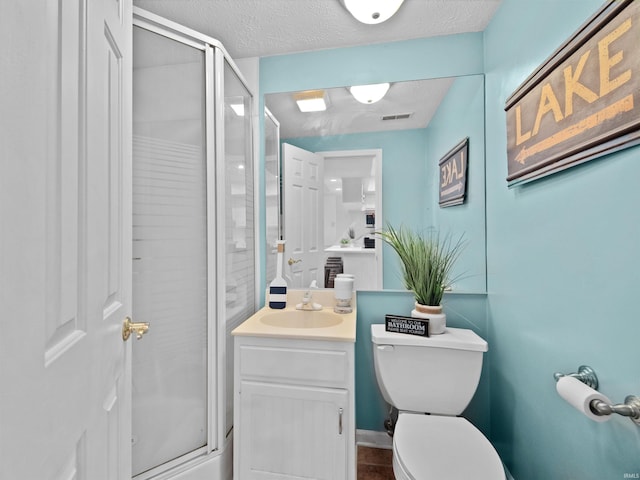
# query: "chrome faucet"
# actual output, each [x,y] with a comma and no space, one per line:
[307,299]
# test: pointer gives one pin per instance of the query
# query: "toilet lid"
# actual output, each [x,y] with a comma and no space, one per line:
[453,338]
[438,447]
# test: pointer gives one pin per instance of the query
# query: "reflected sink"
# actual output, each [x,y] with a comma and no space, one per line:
[302,319]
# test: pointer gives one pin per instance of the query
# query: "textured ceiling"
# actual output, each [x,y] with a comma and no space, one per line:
[255,28]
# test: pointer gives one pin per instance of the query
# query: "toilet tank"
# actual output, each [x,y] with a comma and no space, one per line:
[437,374]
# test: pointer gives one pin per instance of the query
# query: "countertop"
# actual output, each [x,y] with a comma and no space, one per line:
[350,249]
[345,331]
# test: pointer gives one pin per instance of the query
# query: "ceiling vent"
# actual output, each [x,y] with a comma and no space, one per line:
[399,116]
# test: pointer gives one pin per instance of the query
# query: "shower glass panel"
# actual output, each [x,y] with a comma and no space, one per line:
[239,243]
[169,251]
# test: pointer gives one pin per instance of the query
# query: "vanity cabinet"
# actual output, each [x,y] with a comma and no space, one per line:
[294,409]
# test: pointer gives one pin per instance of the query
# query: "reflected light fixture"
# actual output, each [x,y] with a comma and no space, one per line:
[310,101]
[237,104]
[238,108]
[372,11]
[369,93]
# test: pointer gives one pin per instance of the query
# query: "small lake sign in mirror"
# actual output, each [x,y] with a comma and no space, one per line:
[453,175]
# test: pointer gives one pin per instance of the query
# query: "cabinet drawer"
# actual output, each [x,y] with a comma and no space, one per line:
[300,366]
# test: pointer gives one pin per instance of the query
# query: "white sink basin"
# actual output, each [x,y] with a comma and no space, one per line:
[302,319]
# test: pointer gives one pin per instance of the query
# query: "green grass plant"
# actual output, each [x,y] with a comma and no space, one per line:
[427,261]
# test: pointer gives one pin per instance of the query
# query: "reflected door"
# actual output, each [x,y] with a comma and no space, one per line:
[170,411]
[303,215]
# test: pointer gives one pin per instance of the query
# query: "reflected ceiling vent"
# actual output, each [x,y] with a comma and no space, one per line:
[399,116]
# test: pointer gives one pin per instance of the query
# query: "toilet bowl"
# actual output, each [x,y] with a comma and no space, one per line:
[431,381]
[437,447]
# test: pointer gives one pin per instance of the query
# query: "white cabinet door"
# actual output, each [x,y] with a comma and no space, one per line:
[292,432]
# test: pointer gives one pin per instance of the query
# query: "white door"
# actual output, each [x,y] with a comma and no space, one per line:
[303,215]
[65,243]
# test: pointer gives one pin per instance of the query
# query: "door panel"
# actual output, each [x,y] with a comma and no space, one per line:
[303,214]
[170,288]
[108,235]
[66,265]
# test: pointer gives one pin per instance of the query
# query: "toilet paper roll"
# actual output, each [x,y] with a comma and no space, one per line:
[579,396]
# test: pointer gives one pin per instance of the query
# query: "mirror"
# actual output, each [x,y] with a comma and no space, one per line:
[272,195]
[414,126]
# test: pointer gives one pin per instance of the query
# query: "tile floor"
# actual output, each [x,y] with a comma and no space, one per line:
[374,464]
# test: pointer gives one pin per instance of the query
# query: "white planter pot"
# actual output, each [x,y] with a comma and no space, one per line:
[437,319]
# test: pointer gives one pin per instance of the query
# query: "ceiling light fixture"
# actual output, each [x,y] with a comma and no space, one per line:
[369,93]
[372,11]
[310,101]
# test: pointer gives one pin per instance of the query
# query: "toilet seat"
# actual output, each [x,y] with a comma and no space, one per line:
[437,447]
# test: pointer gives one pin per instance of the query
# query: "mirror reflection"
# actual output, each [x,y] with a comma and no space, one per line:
[400,140]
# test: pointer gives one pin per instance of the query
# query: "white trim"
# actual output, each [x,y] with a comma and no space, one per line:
[257,200]
[221,274]
[214,440]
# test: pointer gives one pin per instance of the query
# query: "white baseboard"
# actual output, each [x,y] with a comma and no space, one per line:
[371,438]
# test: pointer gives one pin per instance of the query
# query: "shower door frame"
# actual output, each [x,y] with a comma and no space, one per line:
[215,57]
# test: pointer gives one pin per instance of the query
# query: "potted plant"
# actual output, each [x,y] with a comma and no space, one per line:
[348,240]
[427,262]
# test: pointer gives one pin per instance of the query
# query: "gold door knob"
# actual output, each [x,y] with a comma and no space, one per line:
[291,261]
[140,328]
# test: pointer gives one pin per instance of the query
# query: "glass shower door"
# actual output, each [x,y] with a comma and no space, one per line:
[238,245]
[170,276]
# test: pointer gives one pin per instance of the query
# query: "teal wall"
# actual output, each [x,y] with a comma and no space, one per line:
[460,115]
[563,275]
[563,262]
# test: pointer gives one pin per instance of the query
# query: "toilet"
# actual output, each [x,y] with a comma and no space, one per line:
[431,380]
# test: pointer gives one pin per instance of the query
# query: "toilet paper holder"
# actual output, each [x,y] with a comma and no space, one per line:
[585,374]
[630,408]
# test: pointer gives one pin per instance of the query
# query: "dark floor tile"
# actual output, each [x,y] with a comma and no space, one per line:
[375,472]
[375,463]
[374,456]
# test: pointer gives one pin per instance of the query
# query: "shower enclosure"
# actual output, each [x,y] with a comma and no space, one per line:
[193,244]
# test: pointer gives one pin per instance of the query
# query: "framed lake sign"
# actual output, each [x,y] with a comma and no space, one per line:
[453,175]
[583,101]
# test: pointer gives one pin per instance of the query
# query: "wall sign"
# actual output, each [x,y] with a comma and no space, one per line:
[453,175]
[583,101]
